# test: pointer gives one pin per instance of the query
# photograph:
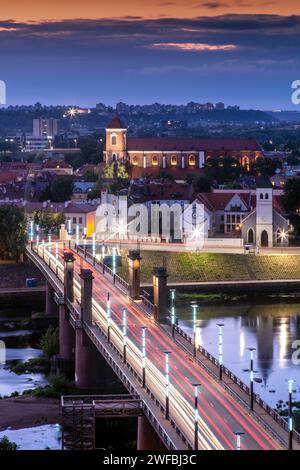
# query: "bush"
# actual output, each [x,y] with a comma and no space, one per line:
[50,342]
[5,444]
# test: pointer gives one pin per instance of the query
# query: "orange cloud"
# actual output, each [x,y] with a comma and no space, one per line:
[193,46]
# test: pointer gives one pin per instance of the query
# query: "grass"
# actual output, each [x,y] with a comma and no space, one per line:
[193,267]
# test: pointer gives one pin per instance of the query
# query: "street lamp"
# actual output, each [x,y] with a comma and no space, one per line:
[144,329]
[31,231]
[173,316]
[167,383]
[108,313]
[220,344]
[283,236]
[196,414]
[94,244]
[124,333]
[194,308]
[77,234]
[290,382]
[56,251]
[251,377]
[69,227]
[114,262]
[238,435]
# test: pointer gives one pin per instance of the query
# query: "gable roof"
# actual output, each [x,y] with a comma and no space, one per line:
[178,144]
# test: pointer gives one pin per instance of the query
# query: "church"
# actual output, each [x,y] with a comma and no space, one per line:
[176,156]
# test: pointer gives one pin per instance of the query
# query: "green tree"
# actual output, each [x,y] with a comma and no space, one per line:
[50,342]
[201,184]
[108,172]
[266,165]
[6,444]
[62,189]
[291,195]
[13,232]
[90,177]
[47,220]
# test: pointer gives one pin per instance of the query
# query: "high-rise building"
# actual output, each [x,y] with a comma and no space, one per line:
[45,127]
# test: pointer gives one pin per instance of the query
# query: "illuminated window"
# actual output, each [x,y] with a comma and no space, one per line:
[192,160]
[135,160]
[174,160]
[113,140]
[154,160]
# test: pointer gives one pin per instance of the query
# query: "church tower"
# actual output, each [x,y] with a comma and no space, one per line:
[115,145]
[264,213]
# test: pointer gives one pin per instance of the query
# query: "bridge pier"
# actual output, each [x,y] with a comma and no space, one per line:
[66,335]
[51,306]
[134,261]
[147,438]
[83,359]
[160,294]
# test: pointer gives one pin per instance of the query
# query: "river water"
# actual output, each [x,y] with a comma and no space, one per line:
[269,327]
[20,344]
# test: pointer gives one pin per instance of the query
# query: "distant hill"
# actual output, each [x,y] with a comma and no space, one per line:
[285,116]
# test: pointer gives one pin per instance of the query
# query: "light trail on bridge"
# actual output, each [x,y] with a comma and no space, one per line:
[219,415]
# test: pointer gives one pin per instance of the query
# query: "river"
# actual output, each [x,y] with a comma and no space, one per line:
[269,327]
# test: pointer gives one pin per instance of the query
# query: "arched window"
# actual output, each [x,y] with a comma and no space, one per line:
[261,196]
[174,160]
[192,160]
[113,139]
[135,160]
[266,196]
[250,236]
[154,160]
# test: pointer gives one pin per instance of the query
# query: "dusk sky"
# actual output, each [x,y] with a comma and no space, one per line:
[244,52]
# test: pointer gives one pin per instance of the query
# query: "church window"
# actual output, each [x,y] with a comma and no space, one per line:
[192,160]
[154,160]
[113,140]
[135,160]
[174,160]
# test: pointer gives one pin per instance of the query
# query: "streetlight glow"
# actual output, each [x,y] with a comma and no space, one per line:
[220,348]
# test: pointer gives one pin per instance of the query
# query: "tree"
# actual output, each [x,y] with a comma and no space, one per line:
[291,195]
[47,220]
[222,169]
[266,165]
[108,172]
[201,184]
[90,177]
[6,444]
[13,232]
[61,190]
[50,342]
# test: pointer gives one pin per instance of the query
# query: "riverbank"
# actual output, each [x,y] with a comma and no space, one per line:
[28,411]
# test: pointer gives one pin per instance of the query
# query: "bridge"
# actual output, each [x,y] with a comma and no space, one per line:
[162,367]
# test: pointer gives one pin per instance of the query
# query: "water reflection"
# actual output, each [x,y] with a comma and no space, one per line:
[270,329]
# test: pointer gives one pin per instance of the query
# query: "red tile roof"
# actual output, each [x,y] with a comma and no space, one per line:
[116,123]
[177,144]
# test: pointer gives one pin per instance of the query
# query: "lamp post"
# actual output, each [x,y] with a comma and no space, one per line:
[77,234]
[69,227]
[194,308]
[94,244]
[56,252]
[31,231]
[251,377]
[291,425]
[108,314]
[124,333]
[283,237]
[173,315]
[238,435]
[167,383]
[144,329]
[196,414]
[220,345]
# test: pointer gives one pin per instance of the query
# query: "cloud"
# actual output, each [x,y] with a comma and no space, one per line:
[214,5]
[195,47]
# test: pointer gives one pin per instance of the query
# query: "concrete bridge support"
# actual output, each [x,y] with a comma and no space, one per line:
[83,346]
[134,260]
[51,306]
[147,438]
[66,334]
[160,294]
[69,275]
